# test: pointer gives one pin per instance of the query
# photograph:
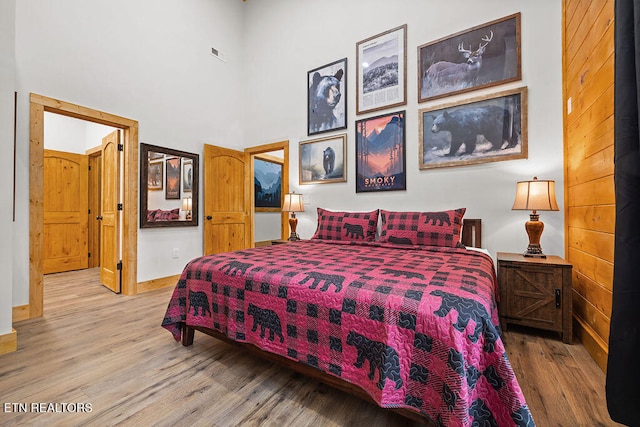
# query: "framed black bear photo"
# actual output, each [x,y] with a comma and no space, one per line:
[323,160]
[485,129]
[327,98]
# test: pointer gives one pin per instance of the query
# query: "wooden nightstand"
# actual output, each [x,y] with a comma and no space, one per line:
[535,292]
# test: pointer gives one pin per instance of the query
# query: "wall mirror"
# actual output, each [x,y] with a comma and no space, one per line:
[168,187]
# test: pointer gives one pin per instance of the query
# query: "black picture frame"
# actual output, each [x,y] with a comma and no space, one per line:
[498,121]
[381,153]
[452,65]
[327,98]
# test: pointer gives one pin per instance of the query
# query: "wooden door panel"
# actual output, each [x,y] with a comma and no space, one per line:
[109,224]
[227,207]
[65,212]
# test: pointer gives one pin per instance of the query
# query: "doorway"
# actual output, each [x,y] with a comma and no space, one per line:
[282,150]
[38,105]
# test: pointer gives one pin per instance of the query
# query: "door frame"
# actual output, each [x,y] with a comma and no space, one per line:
[261,149]
[38,105]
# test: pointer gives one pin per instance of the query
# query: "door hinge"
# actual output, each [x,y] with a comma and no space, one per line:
[119,265]
[120,147]
[89,212]
[558,299]
[89,167]
[89,255]
[119,206]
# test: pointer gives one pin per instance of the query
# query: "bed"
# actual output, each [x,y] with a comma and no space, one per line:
[403,315]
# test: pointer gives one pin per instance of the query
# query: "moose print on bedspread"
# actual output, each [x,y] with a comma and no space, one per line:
[381,357]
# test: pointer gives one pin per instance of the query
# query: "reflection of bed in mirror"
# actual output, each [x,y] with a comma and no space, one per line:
[168,187]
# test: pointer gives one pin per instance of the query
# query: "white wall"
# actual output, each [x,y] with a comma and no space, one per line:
[284,39]
[152,64]
[146,62]
[71,135]
[7,89]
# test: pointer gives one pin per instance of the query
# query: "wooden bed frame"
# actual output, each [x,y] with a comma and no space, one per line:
[471,236]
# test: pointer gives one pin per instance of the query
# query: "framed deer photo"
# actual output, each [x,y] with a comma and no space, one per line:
[480,57]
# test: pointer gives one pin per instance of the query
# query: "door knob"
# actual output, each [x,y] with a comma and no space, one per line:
[99,217]
[209,217]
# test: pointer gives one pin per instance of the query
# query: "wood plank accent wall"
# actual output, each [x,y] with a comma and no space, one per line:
[588,75]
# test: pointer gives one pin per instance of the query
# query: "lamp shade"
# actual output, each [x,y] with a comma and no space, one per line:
[536,195]
[293,203]
[187,204]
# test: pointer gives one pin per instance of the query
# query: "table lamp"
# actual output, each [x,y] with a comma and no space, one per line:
[536,195]
[293,203]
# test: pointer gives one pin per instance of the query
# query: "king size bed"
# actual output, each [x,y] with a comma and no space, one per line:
[404,315]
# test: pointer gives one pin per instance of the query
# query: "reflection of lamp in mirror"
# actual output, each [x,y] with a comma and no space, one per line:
[293,203]
[187,205]
[536,195]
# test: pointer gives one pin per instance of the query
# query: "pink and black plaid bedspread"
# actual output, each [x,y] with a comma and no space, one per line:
[414,327]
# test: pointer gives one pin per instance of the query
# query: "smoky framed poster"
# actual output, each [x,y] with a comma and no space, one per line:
[380,153]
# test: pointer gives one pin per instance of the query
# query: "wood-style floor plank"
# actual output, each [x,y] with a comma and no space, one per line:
[95,347]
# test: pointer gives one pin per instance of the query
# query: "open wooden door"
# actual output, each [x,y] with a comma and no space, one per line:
[65,212]
[110,266]
[227,202]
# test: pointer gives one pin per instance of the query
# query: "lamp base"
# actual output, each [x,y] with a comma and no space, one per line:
[534,251]
[534,229]
[293,224]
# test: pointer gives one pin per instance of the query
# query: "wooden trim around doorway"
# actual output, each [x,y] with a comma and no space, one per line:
[38,105]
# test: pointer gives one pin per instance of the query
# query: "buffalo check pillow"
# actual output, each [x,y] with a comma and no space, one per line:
[422,228]
[346,226]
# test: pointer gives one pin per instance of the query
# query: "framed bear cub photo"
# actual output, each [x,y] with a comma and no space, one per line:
[485,129]
[327,98]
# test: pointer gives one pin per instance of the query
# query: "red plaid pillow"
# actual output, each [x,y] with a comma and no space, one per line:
[346,226]
[422,228]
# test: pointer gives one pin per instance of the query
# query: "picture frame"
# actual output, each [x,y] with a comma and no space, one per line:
[172,178]
[187,175]
[155,180]
[447,67]
[381,77]
[267,172]
[327,98]
[499,123]
[380,153]
[323,161]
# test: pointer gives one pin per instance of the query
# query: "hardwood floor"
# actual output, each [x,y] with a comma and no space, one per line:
[95,348]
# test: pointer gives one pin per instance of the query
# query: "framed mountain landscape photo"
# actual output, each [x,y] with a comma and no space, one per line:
[382,71]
